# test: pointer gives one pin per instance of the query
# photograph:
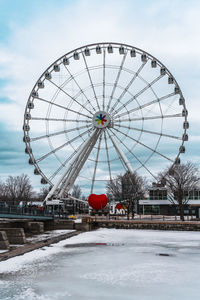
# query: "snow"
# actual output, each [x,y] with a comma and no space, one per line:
[135,265]
[47,235]
[3,251]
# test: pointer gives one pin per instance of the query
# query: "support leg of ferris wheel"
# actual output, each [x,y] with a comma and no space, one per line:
[121,154]
[78,165]
[81,150]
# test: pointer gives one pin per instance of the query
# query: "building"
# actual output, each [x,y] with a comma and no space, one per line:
[158,202]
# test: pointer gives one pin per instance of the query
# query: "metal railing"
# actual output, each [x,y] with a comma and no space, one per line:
[28,211]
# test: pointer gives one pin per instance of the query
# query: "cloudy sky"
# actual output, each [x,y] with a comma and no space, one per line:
[33,34]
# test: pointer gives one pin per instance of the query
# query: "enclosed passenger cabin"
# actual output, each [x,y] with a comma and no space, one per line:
[185,137]
[184,112]
[56,68]
[181,101]
[153,63]
[76,56]
[132,53]
[36,171]
[43,180]
[27,116]
[98,49]
[48,75]
[28,150]
[162,71]
[185,125]
[121,50]
[182,149]
[144,57]
[176,90]
[177,161]
[170,79]
[26,127]
[30,105]
[87,52]
[34,94]
[40,84]
[31,161]
[26,138]
[110,49]
[65,61]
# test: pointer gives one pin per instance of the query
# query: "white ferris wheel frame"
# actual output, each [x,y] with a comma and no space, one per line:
[106,131]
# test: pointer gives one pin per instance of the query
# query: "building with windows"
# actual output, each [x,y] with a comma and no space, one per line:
[158,202]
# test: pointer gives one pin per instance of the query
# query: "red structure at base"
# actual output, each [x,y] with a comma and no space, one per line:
[97,201]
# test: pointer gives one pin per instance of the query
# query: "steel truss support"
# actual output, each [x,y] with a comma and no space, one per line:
[68,178]
[121,153]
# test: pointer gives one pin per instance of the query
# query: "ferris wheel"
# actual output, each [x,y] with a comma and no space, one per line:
[100,110]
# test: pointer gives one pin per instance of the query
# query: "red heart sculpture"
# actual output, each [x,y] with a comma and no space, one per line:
[97,201]
[119,206]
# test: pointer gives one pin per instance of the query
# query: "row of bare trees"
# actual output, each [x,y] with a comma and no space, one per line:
[19,188]
[127,188]
[178,180]
[16,189]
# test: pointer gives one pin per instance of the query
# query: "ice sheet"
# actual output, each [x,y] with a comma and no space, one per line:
[136,265]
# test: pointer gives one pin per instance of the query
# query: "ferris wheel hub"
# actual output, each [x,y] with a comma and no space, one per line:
[101,119]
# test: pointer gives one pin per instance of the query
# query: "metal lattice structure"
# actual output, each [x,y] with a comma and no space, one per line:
[99,104]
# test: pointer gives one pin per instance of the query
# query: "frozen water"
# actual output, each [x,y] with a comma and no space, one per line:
[136,265]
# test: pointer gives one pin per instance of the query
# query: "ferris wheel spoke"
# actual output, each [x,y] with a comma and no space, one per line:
[149,85]
[63,107]
[158,100]
[150,118]
[70,96]
[122,156]
[58,133]
[150,132]
[107,155]
[116,80]
[96,163]
[104,75]
[128,86]
[145,146]
[135,156]
[90,79]
[80,89]
[60,120]
[62,146]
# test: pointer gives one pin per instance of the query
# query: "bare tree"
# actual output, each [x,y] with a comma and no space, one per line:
[114,189]
[76,192]
[43,193]
[3,191]
[18,188]
[179,179]
[128,189]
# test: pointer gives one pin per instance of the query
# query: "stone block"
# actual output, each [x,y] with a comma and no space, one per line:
[15,235]
[36,227]
[4,244]
[63,224]
[83,226]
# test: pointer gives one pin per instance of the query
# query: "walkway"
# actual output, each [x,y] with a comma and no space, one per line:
[13,212]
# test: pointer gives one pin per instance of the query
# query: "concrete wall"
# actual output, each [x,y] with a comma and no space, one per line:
[35,227]
[15,235]
[4,243]
[180,226]
[63,224]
